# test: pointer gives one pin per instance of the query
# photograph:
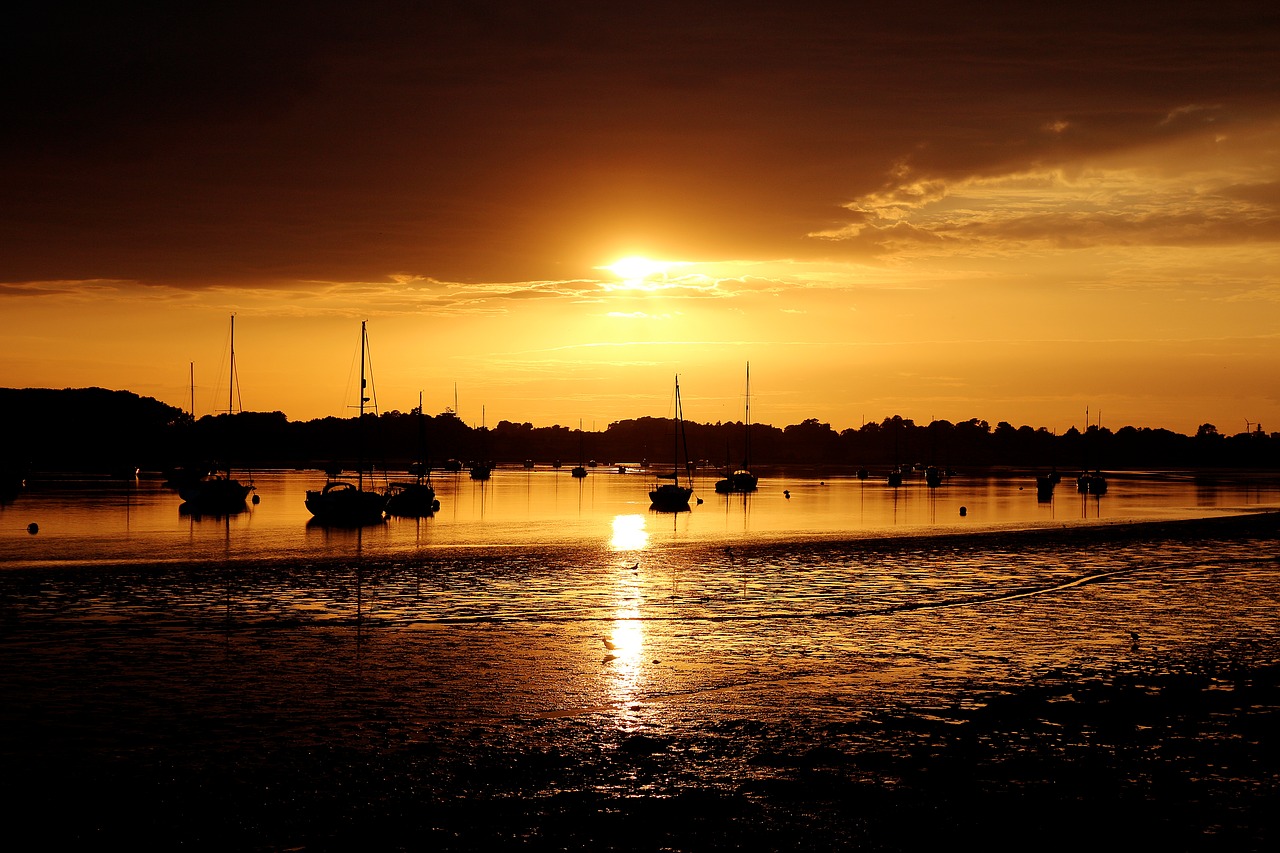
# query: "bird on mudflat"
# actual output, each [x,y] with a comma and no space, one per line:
[608,644]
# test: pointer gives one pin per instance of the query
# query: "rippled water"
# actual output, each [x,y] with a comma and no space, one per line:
[540,597]
[550,654]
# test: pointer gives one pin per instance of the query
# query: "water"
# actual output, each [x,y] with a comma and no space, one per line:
[518,647]
[105,522]
[855,585]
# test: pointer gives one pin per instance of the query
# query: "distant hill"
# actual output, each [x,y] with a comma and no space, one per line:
[84,429]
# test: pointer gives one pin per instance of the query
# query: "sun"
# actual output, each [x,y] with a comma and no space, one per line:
[637,267]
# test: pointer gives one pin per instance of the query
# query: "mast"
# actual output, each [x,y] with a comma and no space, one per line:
[746,456]
[675,435]
[231,381]
[364,336]
[679,435]
[422,441]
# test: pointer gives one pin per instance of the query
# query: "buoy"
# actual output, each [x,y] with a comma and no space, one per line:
[786,493]
[33,528]
[964,510]
[256,499]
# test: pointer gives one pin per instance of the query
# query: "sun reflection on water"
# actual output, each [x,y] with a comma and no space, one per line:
[629,533]
[627,638]
[626,660]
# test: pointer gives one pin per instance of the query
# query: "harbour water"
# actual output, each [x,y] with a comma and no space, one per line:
[550,643]
[112,521]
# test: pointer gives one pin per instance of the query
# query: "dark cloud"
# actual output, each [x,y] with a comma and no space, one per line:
[487,141]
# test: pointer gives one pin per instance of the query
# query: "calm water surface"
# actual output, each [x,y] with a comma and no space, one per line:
[103,522]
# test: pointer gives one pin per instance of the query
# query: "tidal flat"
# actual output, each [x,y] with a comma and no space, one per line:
[1115,684]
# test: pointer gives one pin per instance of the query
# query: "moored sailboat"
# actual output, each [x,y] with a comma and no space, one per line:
[1090,483]
[482,467]
[416,498]
[742,480]
[580,470]
[216,492]
[673,496]
[340,502]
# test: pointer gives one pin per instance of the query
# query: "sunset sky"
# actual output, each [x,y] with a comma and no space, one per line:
[1016,214]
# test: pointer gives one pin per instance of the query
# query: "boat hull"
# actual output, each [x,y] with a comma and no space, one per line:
[737,482]
[670,498]
[215,495]
[342,504]
[412,500]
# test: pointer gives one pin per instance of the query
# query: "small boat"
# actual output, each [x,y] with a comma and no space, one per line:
[1045,484]
[672,496]
[216,492]
[742,480]
[1091,484]
[579,471]
[481,468]
[416,498]
[340,503]
[343,504]
[1086,483]
[412,500]
[933,476]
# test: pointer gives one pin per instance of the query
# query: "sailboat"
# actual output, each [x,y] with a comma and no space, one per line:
[579,471]
[417,498]
[1086,483]
[482,467]
[340,502]
[894,478]
[217,492]
[673,497]
[742,480]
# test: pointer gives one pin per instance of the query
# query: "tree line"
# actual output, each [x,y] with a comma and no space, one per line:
[98,430]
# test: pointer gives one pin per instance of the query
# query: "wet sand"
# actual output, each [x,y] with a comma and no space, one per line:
[132,719]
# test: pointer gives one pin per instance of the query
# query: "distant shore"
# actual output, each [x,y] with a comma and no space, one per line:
[50,430]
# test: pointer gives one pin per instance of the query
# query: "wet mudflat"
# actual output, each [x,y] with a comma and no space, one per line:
[878,694]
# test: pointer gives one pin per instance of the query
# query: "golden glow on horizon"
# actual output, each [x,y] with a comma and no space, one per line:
[1141,282]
